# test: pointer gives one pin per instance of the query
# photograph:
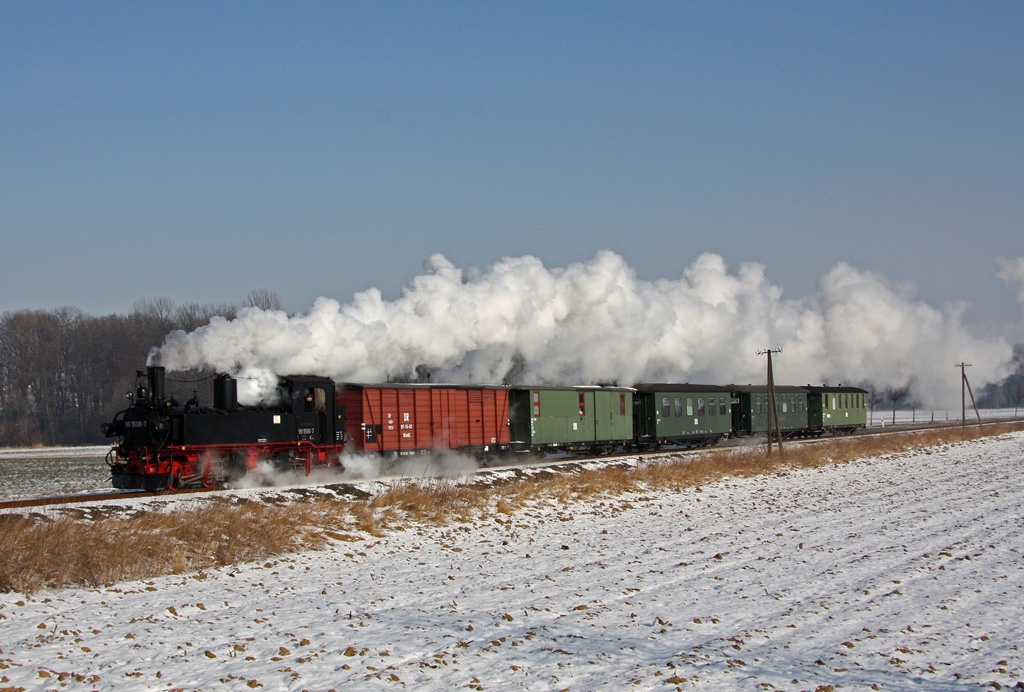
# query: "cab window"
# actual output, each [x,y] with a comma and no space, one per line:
[315,400]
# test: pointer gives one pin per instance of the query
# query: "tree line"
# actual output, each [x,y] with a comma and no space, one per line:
[64,372]
[1010,392]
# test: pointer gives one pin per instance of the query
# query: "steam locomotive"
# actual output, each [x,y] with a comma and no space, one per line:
[312,422]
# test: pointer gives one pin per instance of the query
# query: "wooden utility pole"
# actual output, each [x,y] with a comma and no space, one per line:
[772,414]
[965,384]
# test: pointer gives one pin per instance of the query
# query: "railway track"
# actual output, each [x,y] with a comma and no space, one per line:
[548,462]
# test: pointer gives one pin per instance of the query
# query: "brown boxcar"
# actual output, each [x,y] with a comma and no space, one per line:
[414,418]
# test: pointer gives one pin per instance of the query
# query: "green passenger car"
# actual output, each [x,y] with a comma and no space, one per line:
[836,409]
[681,414]
[751,406]
[574,419]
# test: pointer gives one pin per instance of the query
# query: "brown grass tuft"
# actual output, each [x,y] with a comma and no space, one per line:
[431,502]
[38,552]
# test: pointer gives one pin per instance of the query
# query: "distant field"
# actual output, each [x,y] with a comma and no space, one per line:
[56,471]
[881,417]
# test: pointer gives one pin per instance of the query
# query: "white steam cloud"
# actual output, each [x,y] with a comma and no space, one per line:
[597,322]
[1012,272]
[442,464]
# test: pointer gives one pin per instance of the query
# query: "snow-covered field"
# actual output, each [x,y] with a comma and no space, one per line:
[56,471]
[903,572]
[882,418]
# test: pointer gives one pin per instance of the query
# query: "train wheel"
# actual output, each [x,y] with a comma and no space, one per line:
[281,461]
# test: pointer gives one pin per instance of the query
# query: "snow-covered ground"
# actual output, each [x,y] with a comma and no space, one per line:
[904,572]
[53,471]
[31,453]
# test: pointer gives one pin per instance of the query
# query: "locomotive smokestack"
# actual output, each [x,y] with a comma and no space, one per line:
[225,392]
[155,375]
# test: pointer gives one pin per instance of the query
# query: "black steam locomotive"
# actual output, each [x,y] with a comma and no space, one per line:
[165,444]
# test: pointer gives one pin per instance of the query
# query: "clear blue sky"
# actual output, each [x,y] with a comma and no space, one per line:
[199,150]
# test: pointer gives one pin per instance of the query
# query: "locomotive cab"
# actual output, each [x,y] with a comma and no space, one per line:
[311,400]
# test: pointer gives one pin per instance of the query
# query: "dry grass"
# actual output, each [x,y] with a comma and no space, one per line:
[37,553]
[41,553]
[431,502]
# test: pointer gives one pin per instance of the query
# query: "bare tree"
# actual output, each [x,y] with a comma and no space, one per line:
[155,309]
[262,298]
[37,350]
[192,316]
[874,398]
[895,394]
[20,344]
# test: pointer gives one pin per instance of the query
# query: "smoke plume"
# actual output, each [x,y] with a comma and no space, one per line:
[596,322]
